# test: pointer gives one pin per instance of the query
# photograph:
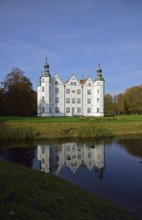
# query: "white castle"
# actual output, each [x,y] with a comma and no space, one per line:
[72,98]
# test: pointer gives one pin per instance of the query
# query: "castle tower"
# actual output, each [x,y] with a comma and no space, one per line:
[44,92]
[99,96]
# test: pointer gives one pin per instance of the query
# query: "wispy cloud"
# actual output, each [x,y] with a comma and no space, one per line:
[19,44]
[137,73]
[126,46]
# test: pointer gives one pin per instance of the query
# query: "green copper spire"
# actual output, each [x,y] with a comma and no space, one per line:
[99,74]
[46,72]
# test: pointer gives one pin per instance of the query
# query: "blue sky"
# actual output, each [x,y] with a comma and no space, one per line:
[75,35]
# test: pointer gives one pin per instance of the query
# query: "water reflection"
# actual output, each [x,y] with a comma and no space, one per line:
[132,146]
[23,156]
[112,169]
[54,158]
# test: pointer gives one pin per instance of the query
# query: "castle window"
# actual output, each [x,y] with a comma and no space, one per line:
[43,80]
[78,100]
[67,91]
[78,110]
[71,83]
[88,92]
[73,100]
[50,110]
[89,84]
[89,155]
[97,100]
[42,89]
[67,110]
[56,90]
[78,91]
[56,109]
[98,110]
[88,101]
[43,110]
[56,100]
[98,91]
[67,100]
[88,110]
[43,98]
[56,82]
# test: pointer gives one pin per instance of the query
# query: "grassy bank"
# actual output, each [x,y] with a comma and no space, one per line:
[29,194]
[64,127]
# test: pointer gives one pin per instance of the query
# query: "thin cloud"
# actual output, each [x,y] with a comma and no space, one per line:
[19,44]
[137,73]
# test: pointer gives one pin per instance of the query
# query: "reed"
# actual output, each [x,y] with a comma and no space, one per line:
[8,133]
[52,128]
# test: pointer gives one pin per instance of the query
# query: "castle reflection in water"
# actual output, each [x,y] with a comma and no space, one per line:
[55,156]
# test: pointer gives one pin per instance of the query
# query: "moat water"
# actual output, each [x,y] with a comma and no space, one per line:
[108,168]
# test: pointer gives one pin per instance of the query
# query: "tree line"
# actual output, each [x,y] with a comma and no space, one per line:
[129,102]
[18,98]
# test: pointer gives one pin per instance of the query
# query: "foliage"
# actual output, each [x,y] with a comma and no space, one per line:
[1,101]
[133,100]
[14,78]
[108,102]
[18,97]
[128,103]
[30,194]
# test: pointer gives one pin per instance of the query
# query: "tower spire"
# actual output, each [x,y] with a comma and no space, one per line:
[99,74]
[46,72]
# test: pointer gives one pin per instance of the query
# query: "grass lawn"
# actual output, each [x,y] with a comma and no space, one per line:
[30,194]
[65,127]
[71,119]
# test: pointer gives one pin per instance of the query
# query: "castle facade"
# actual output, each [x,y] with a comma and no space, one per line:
[72,98]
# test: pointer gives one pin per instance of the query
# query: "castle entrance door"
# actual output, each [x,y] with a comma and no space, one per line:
[73,111]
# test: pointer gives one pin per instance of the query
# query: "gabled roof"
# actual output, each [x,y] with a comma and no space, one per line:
[73,80]
[82,81]
[86,81]
[57,79]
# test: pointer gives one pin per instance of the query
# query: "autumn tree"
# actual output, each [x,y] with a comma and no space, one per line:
[2,99]
[118,101]
[20,98]
[132,100]
[108,104]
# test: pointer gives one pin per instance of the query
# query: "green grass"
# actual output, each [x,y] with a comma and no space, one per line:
[72,119]
[28,194]
[29,128]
